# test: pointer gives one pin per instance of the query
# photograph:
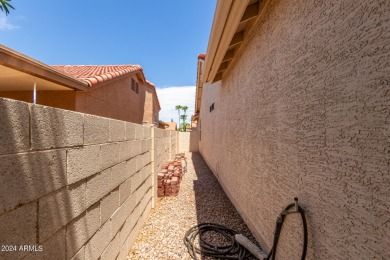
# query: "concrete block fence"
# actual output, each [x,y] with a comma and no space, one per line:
[72,185]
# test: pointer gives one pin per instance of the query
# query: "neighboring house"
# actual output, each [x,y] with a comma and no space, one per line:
[115,91]
[162,124]
[194,123]
[293,100]
[199,89]
[172,126]
[167,125]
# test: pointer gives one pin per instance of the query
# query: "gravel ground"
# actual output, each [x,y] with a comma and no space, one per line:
[201,199]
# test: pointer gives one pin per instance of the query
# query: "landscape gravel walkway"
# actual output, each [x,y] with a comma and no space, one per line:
[201,199]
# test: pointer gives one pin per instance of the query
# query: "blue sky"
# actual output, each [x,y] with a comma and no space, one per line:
[164,37]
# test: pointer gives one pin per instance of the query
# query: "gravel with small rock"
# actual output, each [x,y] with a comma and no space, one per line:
[201,199]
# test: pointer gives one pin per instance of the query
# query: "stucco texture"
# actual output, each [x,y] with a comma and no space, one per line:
[305,111]
[115,100]
[151,109]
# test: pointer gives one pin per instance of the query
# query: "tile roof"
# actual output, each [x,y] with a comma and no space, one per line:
[96,74]
[202,56]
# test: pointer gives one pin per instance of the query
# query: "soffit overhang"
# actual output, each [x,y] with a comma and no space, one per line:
[233,21]
[19,72]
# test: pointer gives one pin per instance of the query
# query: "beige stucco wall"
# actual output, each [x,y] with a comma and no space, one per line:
[189,141]
[305,111]
[79,185]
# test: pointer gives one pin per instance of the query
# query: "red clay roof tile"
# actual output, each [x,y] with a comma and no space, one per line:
[202,56]
[96,74]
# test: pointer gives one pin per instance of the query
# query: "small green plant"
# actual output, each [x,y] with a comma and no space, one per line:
[183,127]
[184,117]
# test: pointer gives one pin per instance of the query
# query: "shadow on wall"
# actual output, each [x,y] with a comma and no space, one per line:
[212,204]
[34,201]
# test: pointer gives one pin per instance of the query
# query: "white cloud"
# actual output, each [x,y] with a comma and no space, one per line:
[170,97]
[5,25]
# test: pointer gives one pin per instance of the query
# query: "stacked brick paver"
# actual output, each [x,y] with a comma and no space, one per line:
[170,176]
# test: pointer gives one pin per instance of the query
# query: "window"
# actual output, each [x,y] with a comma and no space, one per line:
[134,85]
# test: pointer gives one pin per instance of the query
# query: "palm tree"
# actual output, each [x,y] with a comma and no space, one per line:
[178,108]
[184,117]
[185,113]
[184,109]
[4,5]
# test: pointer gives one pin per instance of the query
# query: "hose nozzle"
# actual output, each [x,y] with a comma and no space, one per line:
[245,242]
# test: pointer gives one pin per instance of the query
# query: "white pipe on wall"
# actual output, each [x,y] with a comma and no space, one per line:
[35,93]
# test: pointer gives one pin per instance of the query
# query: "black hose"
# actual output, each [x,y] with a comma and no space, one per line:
[278,229]
[232,251]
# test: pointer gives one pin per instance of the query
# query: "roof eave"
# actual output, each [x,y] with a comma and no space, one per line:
[25,64]
[233,20]
[199,85]
[220,16]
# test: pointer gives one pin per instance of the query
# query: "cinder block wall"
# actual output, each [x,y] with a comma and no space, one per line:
[79,185]
[305,111]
